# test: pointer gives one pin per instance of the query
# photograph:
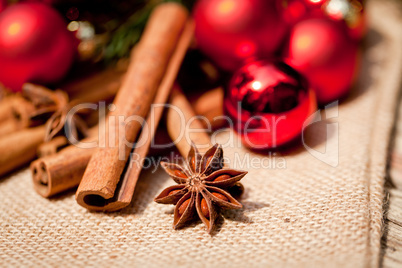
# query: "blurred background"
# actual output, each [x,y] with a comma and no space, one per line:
[274,57]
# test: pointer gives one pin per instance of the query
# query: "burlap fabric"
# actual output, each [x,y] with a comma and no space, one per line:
[298,210]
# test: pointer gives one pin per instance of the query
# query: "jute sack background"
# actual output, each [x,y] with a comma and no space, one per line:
[299,211]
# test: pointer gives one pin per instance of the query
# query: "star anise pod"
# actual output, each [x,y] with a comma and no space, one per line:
[45,101]
[202,187]
[60,124]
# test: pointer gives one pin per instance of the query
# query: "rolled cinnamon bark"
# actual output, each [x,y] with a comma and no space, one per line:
[8,126]
[5,107]
[186,127]
[52,147]
[210,105]
[19,148]
[102,85]
[57,173]
[97,190]
[15,114]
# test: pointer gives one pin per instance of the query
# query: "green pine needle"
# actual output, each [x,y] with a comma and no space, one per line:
[126,35]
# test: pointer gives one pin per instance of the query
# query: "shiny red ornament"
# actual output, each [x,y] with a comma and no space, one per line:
[269,103]
[349,13]
[231,31]
[35,45]
[322,51]
[296,10]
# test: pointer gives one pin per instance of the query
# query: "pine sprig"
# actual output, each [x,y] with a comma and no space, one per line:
[127,34]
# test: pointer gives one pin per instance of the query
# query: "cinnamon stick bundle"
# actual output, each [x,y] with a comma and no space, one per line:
[19,138]
[59,172]
[31,108]
[97,190]
[16,115]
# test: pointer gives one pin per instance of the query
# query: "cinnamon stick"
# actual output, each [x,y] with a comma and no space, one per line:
[153,54]
[102,86]
[19,148]
[186,129]
[52,147]
[105,83]
[5,109]
[15,114]
[8,126]
[210,106]
[57,173]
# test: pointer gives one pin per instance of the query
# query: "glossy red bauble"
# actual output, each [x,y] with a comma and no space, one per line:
[322,51]
[35,45]
[269,103]
[296,10]
[349,13]
[231,31]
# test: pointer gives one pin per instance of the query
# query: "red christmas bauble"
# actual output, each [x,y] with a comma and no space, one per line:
[296,10]
[35,45]
[350,13]
[231,31]
[269,102]
[321,50]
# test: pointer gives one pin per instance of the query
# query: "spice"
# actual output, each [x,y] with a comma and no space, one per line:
[102,85]
[202,191]
[63,170]
[57,173]
[58,122]
[185,119]
[166,28]
[45,102]
[8,127]
[8,104]
[53,146]
[32,108]
[15,114]
[210,105]
[19,148]
[23,131]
